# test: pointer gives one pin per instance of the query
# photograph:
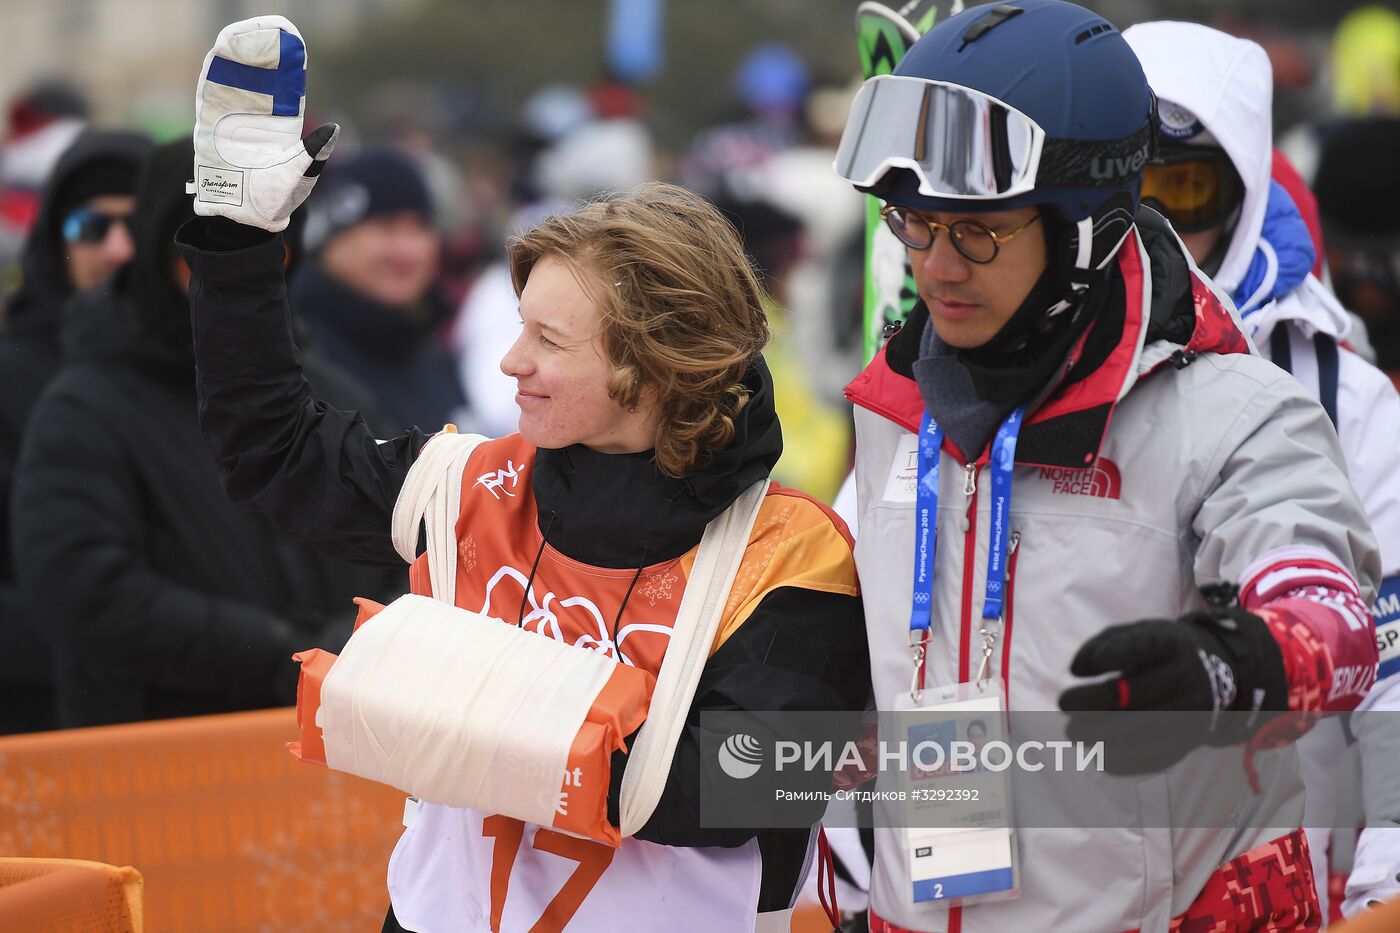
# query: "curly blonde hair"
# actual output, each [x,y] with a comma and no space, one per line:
[680,304]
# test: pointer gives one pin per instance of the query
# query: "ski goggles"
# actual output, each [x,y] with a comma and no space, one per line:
[964,144]
[88,226]
[1195,189]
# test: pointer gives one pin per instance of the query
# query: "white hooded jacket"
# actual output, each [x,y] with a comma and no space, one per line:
[1227,84]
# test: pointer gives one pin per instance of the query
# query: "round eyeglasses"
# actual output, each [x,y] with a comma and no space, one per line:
[974,240]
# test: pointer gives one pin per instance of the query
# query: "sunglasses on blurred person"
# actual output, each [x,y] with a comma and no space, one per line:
[1194,187]
[86,225]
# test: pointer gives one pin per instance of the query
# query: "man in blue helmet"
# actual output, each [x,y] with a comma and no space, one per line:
[1182,531]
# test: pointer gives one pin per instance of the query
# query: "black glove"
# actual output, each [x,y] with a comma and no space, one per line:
[1208,662]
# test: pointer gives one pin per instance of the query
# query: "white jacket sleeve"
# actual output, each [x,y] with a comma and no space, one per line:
[1368,408]
[1280,518]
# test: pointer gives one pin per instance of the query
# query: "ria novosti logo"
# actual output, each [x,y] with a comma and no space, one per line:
[740,756]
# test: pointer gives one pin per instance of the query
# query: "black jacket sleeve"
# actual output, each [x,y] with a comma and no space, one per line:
[79,549]
[318,471]
[801,650]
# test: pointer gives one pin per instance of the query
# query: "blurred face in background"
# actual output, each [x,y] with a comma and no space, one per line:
[96,239]
[1367,281]
[391,258]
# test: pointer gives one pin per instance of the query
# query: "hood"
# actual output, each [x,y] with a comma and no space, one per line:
[1161,311]
[160,310]
[141,313]
[1228,84]
[44,283]
[1311,306]
[1283,256]
[620,510]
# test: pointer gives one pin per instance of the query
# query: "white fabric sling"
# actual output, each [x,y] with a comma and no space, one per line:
[432,495]
[456,708]
[459,709]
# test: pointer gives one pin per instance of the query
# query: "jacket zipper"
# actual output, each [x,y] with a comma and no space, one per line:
[969,567]
[1010,615]
[969,572]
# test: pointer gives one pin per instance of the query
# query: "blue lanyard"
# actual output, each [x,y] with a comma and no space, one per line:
[926,518]
[925,523]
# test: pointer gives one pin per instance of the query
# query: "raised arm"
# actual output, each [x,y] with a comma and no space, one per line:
[319,472]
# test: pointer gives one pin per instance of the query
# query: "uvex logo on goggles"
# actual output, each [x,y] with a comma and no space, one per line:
[1113,168]
[962,143]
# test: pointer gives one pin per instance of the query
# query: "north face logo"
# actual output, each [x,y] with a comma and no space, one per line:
[1102,480]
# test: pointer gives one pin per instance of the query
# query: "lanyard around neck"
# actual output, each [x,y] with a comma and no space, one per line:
[926,532]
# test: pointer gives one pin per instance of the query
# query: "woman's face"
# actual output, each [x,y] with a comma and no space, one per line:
[562,373]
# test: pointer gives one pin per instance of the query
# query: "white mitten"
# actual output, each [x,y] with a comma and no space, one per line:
[250,162]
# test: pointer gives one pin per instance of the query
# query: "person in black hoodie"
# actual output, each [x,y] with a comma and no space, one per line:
[72,246]
[160,597]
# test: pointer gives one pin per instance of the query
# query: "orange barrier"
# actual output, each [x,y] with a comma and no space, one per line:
[41,895]
[230,833]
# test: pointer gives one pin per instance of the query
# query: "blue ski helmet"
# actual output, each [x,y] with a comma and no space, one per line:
[1026,102]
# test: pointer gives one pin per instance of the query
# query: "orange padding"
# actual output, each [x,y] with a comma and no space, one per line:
[229,833]
[315,665]
[619,710]
[50,895]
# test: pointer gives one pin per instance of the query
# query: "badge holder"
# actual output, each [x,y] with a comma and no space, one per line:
[958,837]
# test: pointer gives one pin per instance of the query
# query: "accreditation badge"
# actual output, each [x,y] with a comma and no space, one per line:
[954,788]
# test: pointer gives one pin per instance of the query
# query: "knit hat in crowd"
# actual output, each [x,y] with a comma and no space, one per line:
[103,175]
[378,181]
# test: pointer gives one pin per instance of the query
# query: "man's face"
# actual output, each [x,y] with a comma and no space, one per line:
[968,302]
[391,258]
[96,239]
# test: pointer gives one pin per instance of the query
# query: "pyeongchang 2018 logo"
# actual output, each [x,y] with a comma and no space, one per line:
[1102,480]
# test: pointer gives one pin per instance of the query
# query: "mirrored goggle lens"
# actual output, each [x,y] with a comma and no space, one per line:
[1193,194]
[959,142]
[85,226]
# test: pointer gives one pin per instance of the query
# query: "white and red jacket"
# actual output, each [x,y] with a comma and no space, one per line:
[1167,467]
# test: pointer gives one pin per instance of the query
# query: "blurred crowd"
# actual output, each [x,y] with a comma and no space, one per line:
[130,588]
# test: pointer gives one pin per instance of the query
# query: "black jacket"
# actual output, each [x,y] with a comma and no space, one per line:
[392,352]
[161,597]
[327,480]
[29,358]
